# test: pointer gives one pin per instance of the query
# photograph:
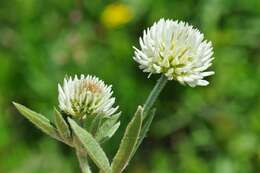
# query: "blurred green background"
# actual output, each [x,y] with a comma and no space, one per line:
[214,129]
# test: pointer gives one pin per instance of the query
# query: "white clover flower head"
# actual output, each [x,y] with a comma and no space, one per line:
[177,50]
[86,96]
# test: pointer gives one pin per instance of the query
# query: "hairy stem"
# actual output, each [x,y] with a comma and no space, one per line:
[162,81]
[83,162]
[154,94]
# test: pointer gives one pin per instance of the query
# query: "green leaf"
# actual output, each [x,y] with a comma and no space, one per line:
[62,125]
[112,130]
[145,129]
[88,122]
[147,125]
[38,120]
[91,146]
[109,133]
[108,127]
[128,142]
[95,124]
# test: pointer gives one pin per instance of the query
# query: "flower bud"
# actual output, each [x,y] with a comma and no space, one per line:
[86,96]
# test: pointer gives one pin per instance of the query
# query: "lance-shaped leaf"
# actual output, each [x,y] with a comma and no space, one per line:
[95,124]
[108,128]
[91,146]
[38,120]
[128,143]
[112,130]
[62,126]
[147,125]
[145,129]
[108,134]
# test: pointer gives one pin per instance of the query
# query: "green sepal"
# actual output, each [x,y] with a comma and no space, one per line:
[38,120]
[128,143]
[91,146]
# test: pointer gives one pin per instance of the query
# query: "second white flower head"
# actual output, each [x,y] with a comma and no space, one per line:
[84,96]
[176,50]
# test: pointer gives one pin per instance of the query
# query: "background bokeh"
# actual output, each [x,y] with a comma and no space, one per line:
[214,129]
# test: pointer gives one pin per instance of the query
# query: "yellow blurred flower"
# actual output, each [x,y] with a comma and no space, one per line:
[115,15]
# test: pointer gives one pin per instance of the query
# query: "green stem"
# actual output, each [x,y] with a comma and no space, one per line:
[162,81]
[83,162]
[154,94]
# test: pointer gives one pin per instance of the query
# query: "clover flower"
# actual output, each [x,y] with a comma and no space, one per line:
[86,96]
[177,50]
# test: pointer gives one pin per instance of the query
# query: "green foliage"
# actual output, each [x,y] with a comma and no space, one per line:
[91,146]
[107,128]
[62,126]
[145,128]
[38,120]
[214,129]
[128,143]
